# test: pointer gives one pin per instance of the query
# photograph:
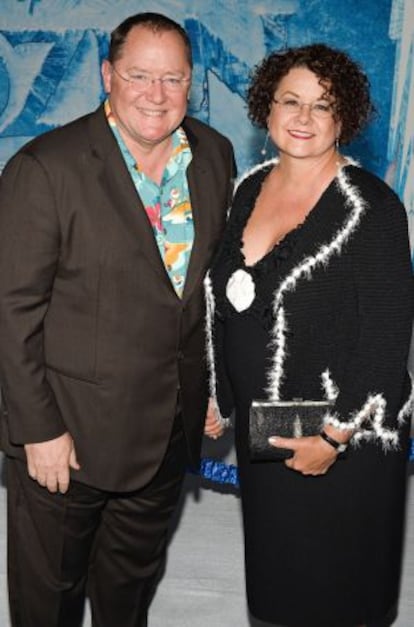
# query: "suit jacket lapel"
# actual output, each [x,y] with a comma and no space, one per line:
[206,208]
[123,199]
[199,185]
[121,193]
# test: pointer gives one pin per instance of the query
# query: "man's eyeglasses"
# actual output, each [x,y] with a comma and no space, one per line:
[319,109]
[141,82]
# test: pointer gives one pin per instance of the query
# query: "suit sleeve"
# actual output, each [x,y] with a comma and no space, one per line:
[29,253]
[383,280]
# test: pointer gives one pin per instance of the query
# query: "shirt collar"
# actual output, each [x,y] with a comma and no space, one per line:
[179,138]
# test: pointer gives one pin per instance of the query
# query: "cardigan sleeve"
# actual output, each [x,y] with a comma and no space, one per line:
[220,386]
[374,384]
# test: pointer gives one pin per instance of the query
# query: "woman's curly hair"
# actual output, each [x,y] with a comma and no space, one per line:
[342,78]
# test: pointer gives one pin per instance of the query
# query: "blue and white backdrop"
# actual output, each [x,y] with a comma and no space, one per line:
[50,54]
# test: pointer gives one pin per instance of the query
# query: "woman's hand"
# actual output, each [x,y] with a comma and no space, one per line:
[312,455]
[213,427]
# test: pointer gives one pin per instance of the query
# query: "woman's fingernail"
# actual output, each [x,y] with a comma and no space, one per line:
[272,440]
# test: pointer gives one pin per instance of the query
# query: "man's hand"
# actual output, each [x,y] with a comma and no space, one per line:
[48,462]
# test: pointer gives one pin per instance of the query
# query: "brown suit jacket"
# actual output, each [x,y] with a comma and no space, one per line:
[93,338]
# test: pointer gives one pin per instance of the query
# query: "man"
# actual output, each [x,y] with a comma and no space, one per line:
[107,226]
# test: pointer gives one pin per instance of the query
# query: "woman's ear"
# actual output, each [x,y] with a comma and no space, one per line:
[338,131]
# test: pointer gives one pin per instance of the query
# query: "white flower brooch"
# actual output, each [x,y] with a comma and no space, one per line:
[240,290]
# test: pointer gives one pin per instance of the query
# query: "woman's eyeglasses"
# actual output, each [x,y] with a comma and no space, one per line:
[319,109]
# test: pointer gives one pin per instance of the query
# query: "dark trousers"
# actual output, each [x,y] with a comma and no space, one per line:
[111,545]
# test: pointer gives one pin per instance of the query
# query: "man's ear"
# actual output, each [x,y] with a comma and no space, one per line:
[106,73]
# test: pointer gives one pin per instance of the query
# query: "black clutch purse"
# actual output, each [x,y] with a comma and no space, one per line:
[288,419]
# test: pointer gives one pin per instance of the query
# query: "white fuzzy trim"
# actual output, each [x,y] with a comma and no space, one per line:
[329,386]
[210,308]
[304,270]
[408,408]
[260,166]
[367,423]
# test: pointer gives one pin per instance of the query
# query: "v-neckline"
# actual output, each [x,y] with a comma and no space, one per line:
[309,216]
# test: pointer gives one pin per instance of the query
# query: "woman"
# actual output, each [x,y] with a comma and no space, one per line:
[310,296]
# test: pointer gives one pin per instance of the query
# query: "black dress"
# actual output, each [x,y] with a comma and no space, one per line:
[319,551]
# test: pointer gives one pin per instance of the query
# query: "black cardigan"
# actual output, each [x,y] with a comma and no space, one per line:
[343,307]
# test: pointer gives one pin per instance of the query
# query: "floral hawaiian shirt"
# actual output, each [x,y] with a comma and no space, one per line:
[168,206]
